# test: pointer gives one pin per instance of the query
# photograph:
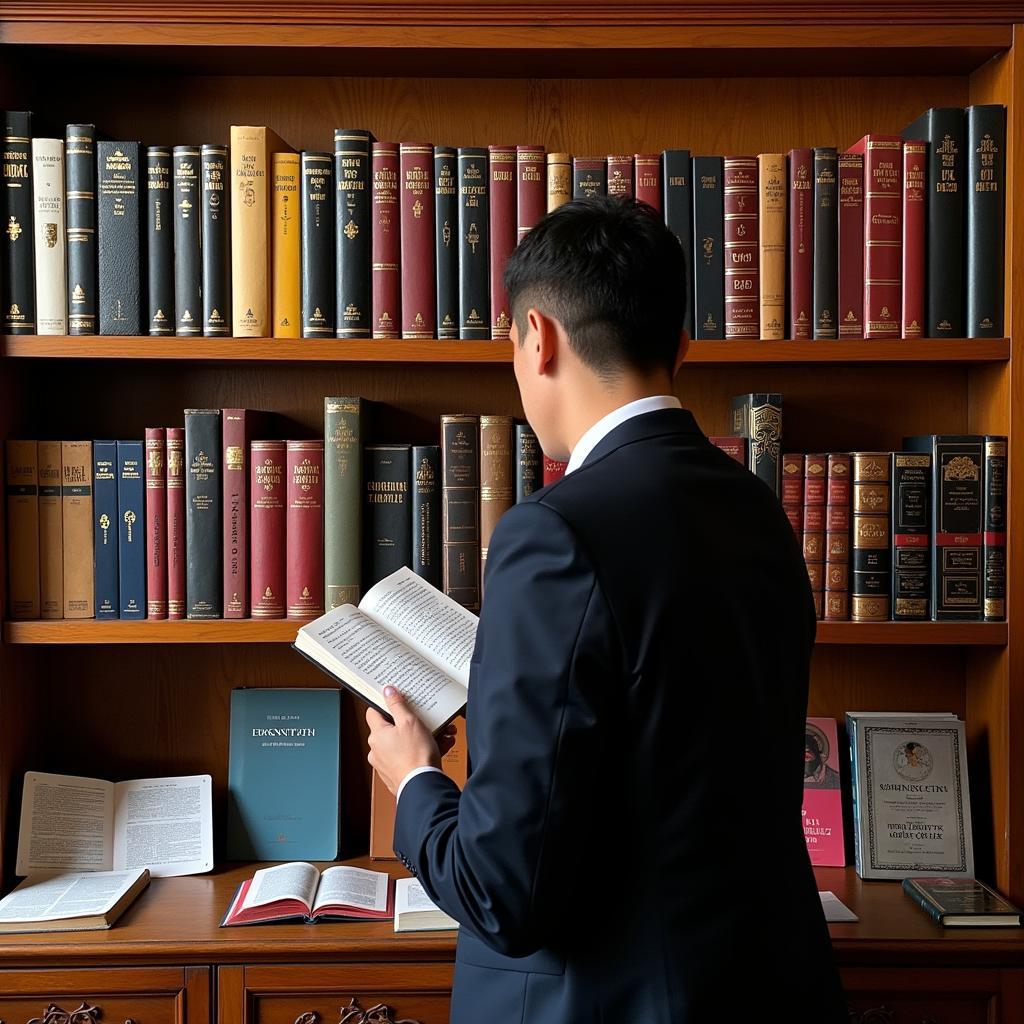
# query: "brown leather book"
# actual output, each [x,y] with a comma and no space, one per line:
[419,299]
[772,237]
[851,245]
[530,199]
[837,538]
[620,175]
[497,492]
[792,495]
[559,179]
[742,279]
[76,495]
[815,491]
[51,533]
[23,530]
[501,162]
[734,447]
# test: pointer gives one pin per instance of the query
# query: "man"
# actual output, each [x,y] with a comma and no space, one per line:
[606,861]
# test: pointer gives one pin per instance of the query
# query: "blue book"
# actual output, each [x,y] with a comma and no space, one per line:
[104,534]
[283,774]
[131,528]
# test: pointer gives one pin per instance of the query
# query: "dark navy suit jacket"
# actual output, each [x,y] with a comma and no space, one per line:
[629,845]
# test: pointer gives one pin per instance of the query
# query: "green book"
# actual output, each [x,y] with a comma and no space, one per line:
[343,500]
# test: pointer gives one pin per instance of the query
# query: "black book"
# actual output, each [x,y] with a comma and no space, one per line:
[159,241]
[188,254]
[18,262]
[446,218]
[80,211]
[677,199]
[474,245]
[216,229]
[962,902]
[387,511]
[529,463]
[589,177]
[118,237]
[204,540]
[911,535]
[708,248]
[826,241]
[943,129]
[986,217]
[318,281]
[758,417]
[353,232]
[994,524]
[426,512]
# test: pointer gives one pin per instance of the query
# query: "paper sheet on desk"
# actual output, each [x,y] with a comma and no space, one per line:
[835,909]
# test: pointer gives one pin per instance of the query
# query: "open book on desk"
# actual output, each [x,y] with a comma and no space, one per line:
[405,633]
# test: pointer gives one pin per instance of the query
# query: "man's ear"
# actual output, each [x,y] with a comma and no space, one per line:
[542,340]
[684,344]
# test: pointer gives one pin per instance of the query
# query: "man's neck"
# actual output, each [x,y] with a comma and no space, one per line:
[600,401]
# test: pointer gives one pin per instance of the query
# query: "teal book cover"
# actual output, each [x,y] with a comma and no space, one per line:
[283,774]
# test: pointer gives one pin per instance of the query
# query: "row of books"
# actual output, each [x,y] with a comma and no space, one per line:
[898,236]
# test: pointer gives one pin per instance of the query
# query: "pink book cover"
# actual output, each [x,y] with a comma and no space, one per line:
[823,796]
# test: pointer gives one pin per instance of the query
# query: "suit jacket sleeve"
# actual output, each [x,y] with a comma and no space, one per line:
[498,857]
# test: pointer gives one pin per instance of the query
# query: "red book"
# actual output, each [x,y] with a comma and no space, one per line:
[620,176]
[742,258]
[837,538]
[502,164]
[236,431]
[267,528]
[156,523]
[915,189]
[883,233]
[851,245]
[386,244]
[815,479]
[823,794]
[734,447]
[554,470]
[801,243]
[793,492]
[176,555]
[419,298]
[304,584]
[531,202]
[647,176]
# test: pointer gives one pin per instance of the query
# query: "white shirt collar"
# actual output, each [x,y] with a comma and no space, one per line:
[604,426]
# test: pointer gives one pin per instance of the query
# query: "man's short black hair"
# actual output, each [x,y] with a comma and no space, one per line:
[614,276]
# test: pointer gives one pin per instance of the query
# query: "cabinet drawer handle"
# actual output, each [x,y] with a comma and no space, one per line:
[379,1014]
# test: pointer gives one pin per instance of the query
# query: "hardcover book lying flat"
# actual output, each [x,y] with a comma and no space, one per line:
[416,912]
[962,903]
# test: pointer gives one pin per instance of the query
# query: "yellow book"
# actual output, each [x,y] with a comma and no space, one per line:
[286,249]
[772,216]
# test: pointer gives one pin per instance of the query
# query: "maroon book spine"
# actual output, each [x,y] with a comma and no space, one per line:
[554,469]
[236,430]
[304,584]
[815,480]
[793,492]
[851,245]
[837,538]
[386,242]
[531,199]
[176,555]
[734,447]
[267,524]
[801,243]
[156,522]
[419,297]
[742,259]
[502,164]
[647,176]
[620,176]
[915,188]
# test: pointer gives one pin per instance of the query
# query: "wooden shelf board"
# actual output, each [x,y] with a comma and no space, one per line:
[985,634]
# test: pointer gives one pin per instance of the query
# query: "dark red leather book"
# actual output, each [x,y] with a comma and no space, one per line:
[915,190]
[531,182]
[837,537]
[647,180]
[386,243]
[742,259]
[815,491]
[237,428]
[620,176]
[734,447]
[156,523]
[792,489]
[268,491]
[419,297]
[176,555]
[883,233]
[304,474]
[553,470]
[801,243]
[504,188]
[851,245]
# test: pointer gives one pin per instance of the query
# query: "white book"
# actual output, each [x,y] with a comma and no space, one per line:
[416,912]
[50,245]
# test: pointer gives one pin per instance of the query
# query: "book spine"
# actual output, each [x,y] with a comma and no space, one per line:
[304,579]
[620,175]
[552,470]
[106,597]
[758,417]
[792,493]
[911,536]
[319,287]
[386,242]
[50,243]
[986,218]
[801,244]
[496,489]
[118,240]
[676,199]
[159,242]
[530,188]
[80,183]
[915,166]
[203,508]
[286,251]
[354,232]
[652,187]
[474,245]
[188,250]
[837,539]
[742,276]
[994,521]
[176,550]
[708,248]
[387,517]
[446,241]
[559,177]
[931,909]
[501,162]
[589,177]
[76,502]
[815,494]
[772,241]
[216,242]
[51,533]
[236,432]
[826,234]
[343,500]
[851,245]
[426,513]
[871,580]
[22,491]
[528,462]
[156,523]
[251,169]
[267,486]
[419,296]
[883,236]
[460,497]
[736,449]
[131,531]
[17,264]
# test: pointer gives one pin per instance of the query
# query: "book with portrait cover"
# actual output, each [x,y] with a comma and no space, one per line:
[823,796]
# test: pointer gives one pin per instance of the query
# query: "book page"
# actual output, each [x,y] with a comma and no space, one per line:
[353,887]
[165,825]
[295,881]
[409,895]
[66,824]
[74,894]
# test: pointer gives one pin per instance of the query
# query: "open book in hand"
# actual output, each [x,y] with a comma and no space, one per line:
[297,890]
[405,633]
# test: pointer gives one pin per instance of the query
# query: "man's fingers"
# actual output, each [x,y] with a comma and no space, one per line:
[396,703]
[375,720]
